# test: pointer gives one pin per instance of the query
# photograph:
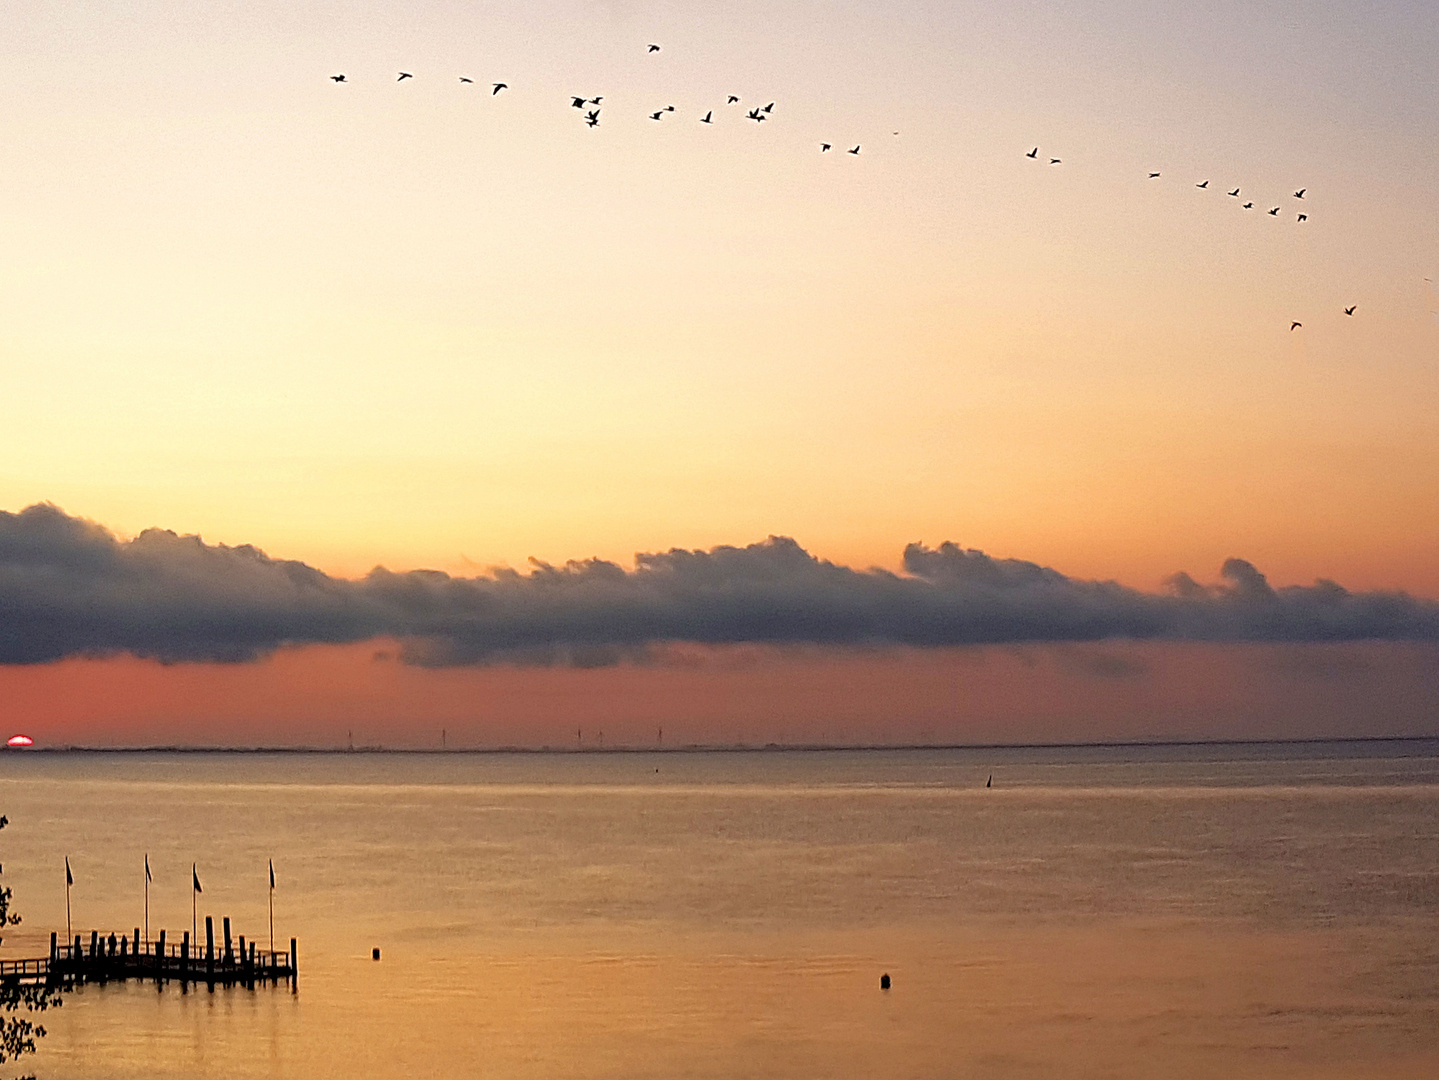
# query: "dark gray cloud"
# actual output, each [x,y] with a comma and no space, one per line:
[70,588]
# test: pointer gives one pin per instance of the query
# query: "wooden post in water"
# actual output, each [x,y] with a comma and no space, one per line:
[54,947]
[294,967]
[136,949]
[229,948]
[185,959]
[210,950]
[160,956]
[94,942]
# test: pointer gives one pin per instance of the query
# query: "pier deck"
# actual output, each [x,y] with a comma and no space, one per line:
[112,958]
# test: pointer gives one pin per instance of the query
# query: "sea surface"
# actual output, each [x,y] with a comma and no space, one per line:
[1206,911]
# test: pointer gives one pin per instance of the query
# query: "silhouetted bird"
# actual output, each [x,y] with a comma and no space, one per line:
[463,79]
[1154,176]
[732,100]
[1273,212]
[1295,326]
[1300,193]
[707,118]
[1235,193]
[337,78]
[824,147]
[596,99]
[1205,184]
[654,48]
[754,114]
[1249,206]
[498,87]
[669,108]
[1303,217]
[1033,153]
[1054,161]
[595,116]
[768,108]
[592,121]
[579,102]
[403,76]
[1350,310]
[657,115]
[852,150]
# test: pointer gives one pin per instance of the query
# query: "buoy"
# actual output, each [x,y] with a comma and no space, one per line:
[374,954]
[884,982]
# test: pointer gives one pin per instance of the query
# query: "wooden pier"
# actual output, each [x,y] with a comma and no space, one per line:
[112,958]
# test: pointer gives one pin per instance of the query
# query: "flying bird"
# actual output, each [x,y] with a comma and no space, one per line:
[592,121]
[596,99]
[1300,193]
[1033,153]
[755,114]
[657,115]
[654,48]
[1273,212]
[498,87]
[707,118]
[1295,326]
[1249,206]
[403,76]
[337,78]
[669,108]
[1303,217]
[1154,176]
[732,100]
[768,108]
[824,147]
[853,150]
[1054,161]
[1235,193]
[1350,310]
[579,102]
[595,116]
[463,79]
[1203,185]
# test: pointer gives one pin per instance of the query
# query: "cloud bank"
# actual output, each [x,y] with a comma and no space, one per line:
[69,587]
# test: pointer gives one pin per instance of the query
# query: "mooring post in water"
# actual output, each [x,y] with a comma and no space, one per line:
[210,950]
[94,942]
[160,955]
[185,958]
[54,947]
[294,967]
[136,950]
[229,948]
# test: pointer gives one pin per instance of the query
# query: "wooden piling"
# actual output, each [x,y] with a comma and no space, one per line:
[210,950]
[229,950]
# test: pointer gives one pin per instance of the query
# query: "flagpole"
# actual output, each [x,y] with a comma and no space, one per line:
[147,898]
[194,926]
[69,880]
[272,905]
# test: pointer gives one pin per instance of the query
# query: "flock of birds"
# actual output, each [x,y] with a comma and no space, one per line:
[591,107]
[1300,217]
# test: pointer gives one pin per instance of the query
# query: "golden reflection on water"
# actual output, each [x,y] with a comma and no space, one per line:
[1271,917]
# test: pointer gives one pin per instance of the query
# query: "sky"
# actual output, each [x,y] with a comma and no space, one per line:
[418,325]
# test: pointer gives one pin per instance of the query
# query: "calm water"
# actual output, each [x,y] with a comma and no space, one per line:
[1216,912]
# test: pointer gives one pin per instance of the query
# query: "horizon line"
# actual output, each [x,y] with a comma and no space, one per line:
[721,748]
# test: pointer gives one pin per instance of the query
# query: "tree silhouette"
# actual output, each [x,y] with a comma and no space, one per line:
[18,1002]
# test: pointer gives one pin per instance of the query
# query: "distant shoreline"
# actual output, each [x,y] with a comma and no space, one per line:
[719,748]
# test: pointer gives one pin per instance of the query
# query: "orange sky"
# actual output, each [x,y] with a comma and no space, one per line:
[318,696]
[420,325]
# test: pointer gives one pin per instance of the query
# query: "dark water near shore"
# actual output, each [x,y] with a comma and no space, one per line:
[1265,911]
